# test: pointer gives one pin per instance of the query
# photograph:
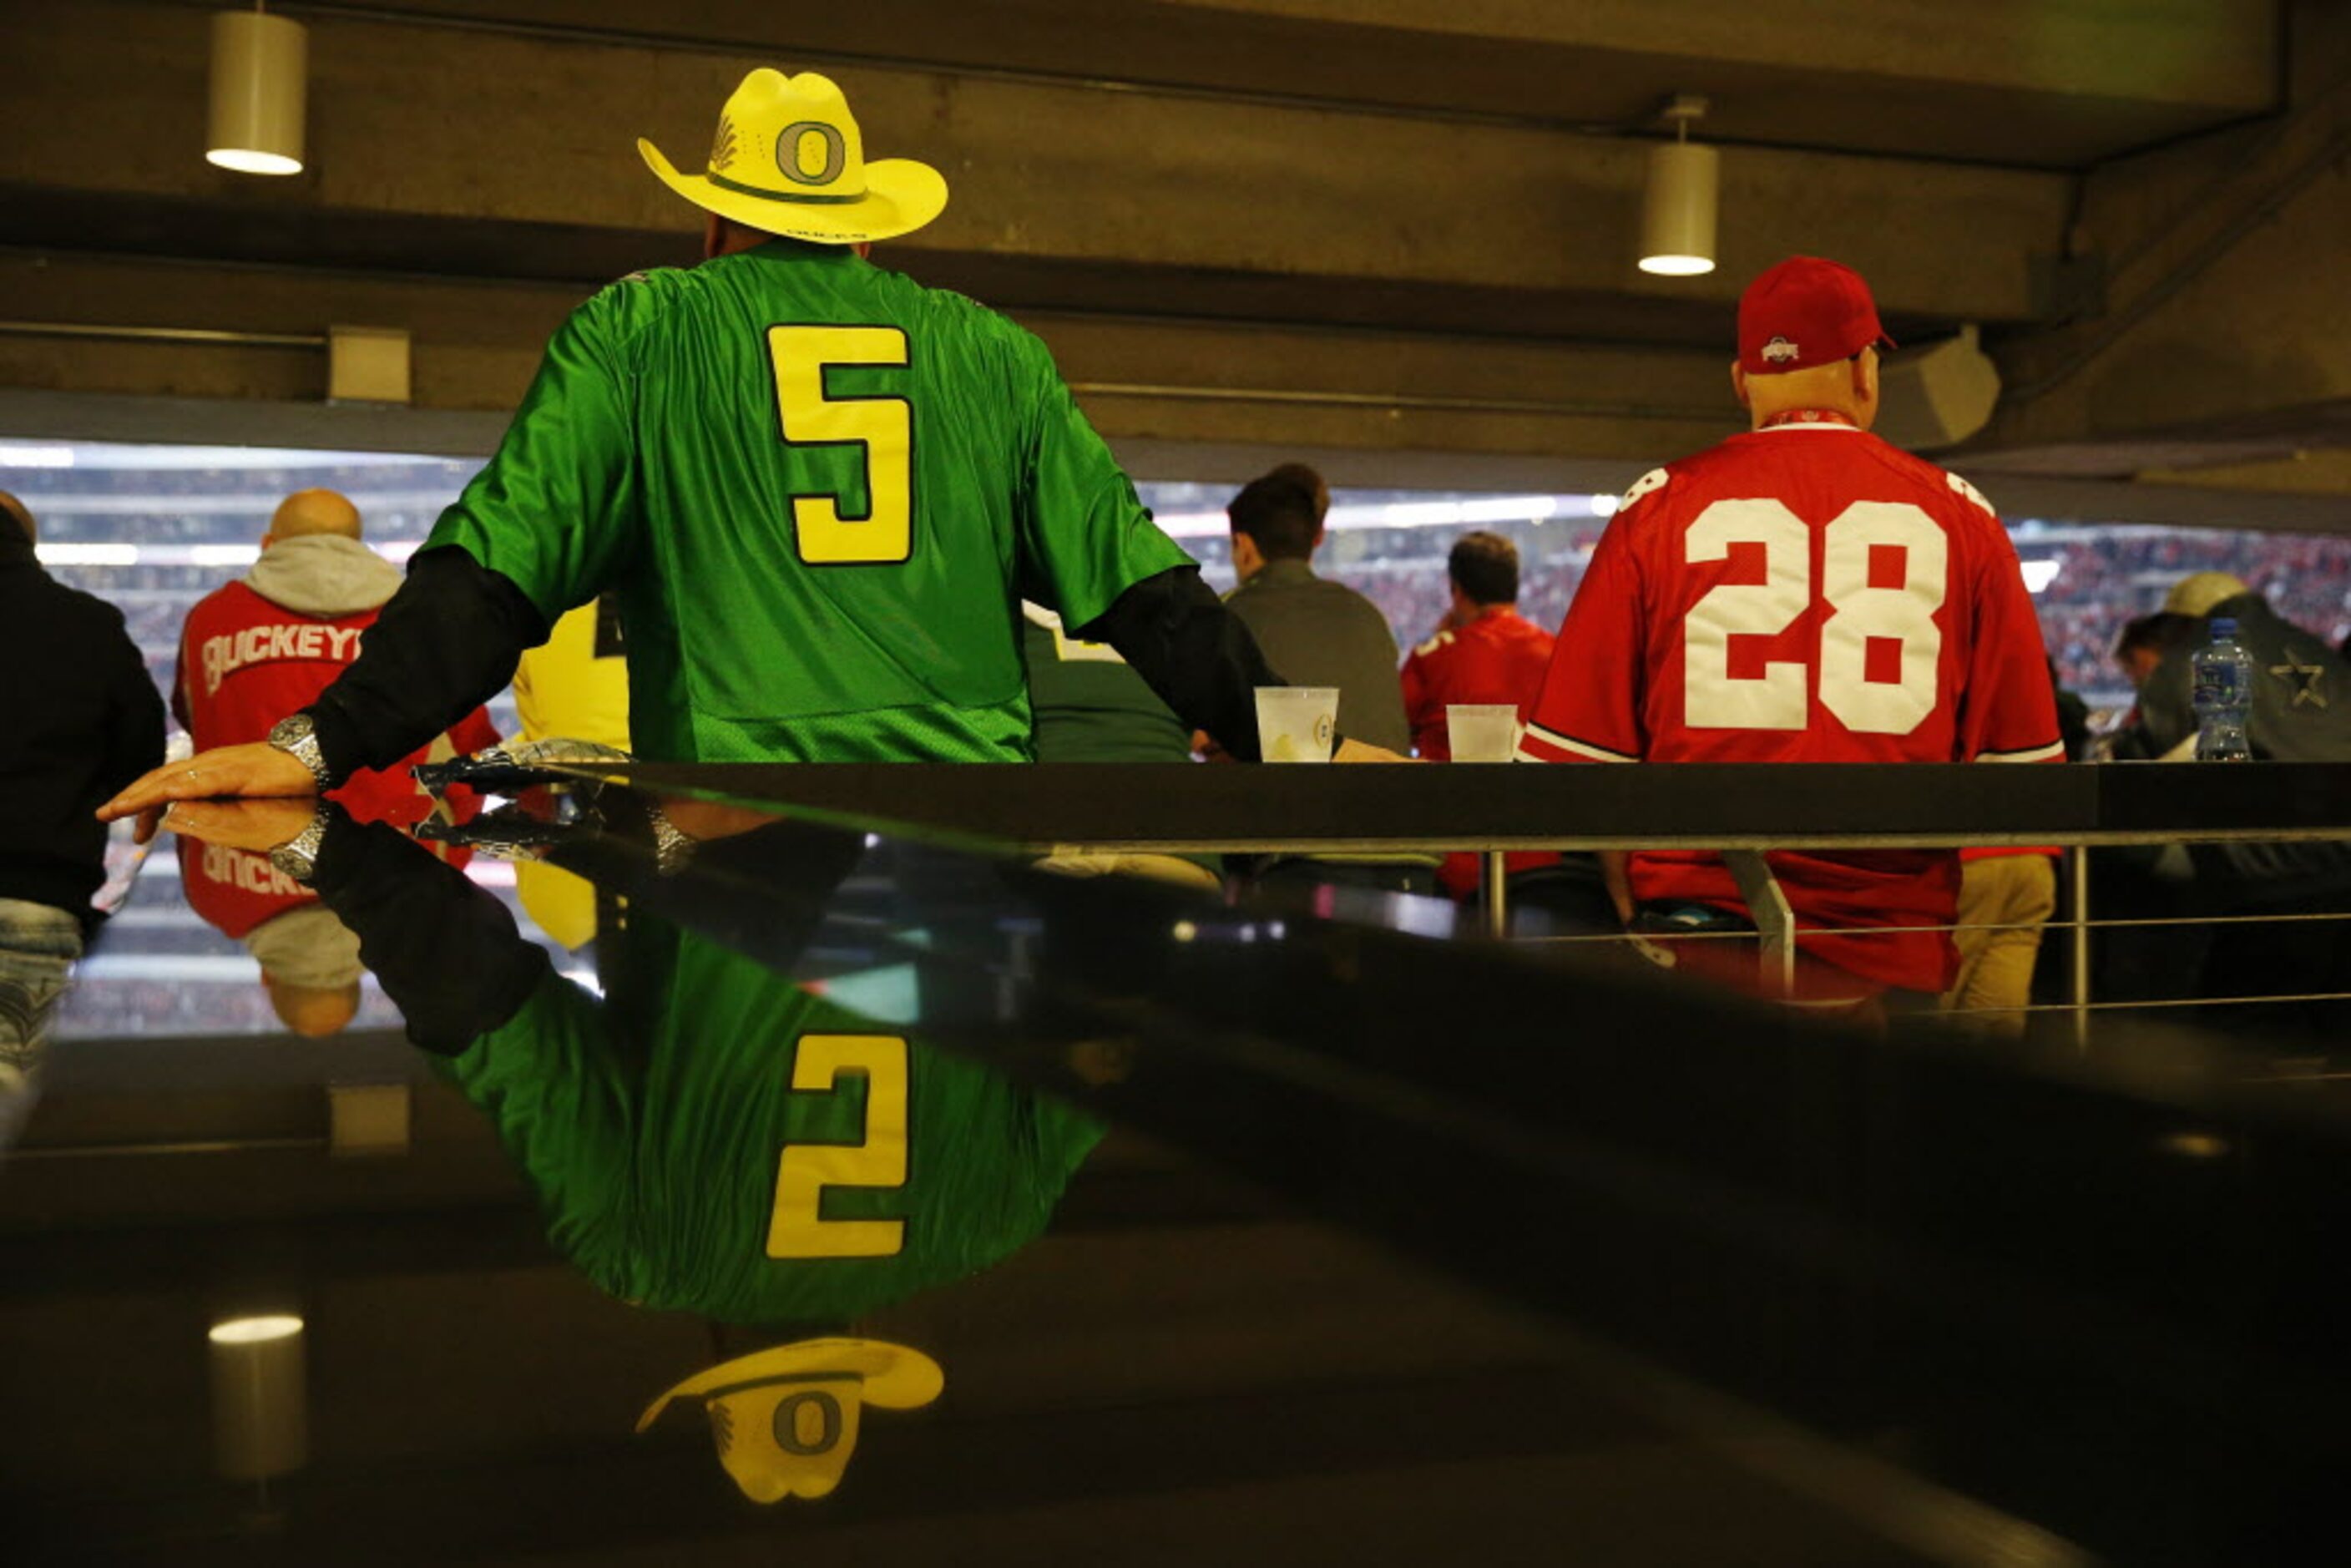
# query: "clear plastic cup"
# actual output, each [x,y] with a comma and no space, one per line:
[1297,723]
[1482,732]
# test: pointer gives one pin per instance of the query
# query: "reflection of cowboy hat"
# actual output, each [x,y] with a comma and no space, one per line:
[788,160]
[786,1418]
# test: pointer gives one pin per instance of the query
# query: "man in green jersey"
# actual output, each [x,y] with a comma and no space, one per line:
[820,490]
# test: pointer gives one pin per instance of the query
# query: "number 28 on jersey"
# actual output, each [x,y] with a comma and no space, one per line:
[1881,580]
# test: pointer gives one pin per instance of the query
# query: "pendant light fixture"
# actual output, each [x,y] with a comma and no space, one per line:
[260,82]
[1677,210]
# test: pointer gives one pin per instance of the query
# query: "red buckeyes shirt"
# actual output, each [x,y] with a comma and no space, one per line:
[1805,593]
[246,662]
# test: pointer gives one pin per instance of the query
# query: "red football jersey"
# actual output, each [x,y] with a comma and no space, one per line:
[1805,593]
[1500,657]
[246,662]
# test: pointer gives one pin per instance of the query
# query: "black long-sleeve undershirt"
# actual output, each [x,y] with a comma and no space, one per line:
[450,639]
[445,644]
[1197,655]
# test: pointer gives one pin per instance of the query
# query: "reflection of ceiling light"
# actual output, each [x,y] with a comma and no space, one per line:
[256,1330]
[260,1378]
[260,79]
[1677,207]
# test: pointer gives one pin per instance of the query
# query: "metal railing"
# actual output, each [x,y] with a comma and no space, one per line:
[1738,811]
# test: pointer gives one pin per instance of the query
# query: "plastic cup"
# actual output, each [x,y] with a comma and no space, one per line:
[1479,732]
[1296,724]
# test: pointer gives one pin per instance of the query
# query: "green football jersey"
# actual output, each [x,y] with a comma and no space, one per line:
[1091,705]
[821,491]
[749,1152]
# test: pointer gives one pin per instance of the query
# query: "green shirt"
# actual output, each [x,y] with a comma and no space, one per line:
[728,1143]
[821,491]
[1091,705]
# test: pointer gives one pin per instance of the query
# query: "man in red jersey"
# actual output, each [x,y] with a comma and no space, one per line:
[1804,592]
[265,645]
[1486,651]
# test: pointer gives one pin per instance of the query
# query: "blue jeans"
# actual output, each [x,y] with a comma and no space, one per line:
[39,945]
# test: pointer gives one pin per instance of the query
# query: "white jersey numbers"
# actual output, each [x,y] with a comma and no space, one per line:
[1711,698]
[1880,649]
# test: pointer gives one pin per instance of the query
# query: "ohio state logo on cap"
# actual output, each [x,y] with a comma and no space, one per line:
[1804,313]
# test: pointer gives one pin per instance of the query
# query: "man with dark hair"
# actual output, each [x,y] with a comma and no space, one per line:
[1317,633]
[1485,652]
[78,720]
[2147,640]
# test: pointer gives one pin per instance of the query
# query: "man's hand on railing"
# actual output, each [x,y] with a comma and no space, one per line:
[1356,751]
[225,772]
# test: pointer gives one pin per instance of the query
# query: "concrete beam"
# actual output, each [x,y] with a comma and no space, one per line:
[2225,331]
[477,345]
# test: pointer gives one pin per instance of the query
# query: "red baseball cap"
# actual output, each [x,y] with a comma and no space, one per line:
[1806,311]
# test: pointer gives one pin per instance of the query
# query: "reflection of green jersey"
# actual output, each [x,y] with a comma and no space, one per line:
[1091,705]
[760,1156]
[821,490]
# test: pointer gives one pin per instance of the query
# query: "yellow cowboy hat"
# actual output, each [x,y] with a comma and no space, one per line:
[788,160]
[786,1418]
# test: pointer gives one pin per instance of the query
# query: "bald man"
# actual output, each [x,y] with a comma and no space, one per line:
[265,645]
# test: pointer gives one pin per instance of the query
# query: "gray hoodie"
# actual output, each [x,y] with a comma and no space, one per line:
[324,576]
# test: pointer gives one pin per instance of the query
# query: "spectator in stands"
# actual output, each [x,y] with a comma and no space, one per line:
[1091,707]
[2302,713]
[2147,640]
[253,652]
[574,686]
[1804,592]
[78,720]
[1486,653]
[267,645]
[1319,634]
[1316,632]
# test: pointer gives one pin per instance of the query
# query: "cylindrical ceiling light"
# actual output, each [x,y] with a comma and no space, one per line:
[1677,209]
[260,80]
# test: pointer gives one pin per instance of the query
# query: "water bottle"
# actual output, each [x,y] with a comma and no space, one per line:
[2224,696]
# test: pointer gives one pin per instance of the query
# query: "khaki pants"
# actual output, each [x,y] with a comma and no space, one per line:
[2017,893]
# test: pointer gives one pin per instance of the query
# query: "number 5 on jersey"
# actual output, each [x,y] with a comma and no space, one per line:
[883,426]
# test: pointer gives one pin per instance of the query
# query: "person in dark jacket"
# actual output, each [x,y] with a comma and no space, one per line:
[78,720]
[2301,713]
